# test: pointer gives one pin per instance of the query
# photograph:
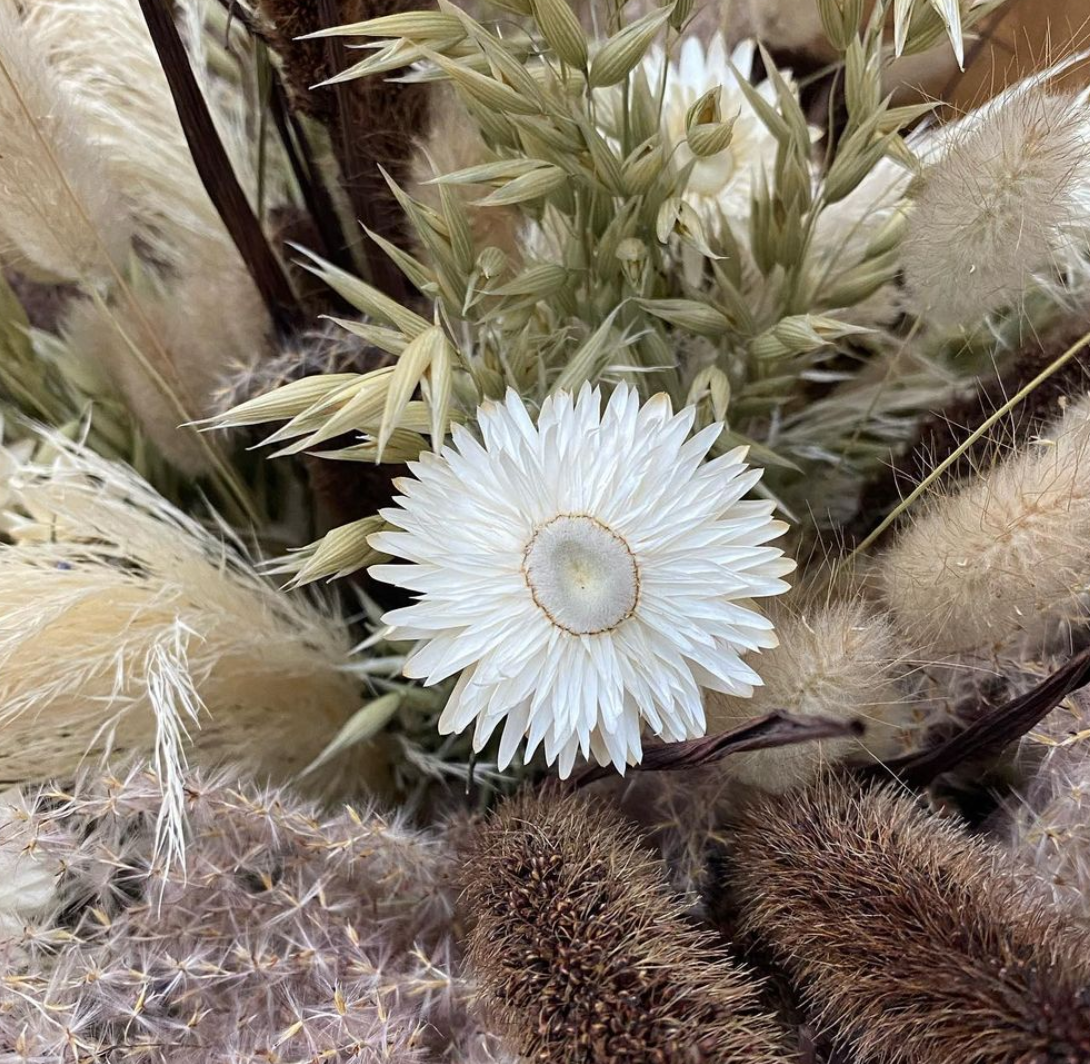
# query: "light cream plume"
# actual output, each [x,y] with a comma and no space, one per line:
[1005,560]
[62,215]
[840,661]
[1007,199]
[126,625]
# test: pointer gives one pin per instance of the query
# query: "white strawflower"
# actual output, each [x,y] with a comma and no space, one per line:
[587,575]
[720,186]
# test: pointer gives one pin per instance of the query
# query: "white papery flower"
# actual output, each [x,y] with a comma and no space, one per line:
[27,881]
[720,186]
[586,576]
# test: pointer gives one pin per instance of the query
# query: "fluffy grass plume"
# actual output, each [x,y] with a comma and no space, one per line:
[1008,196]
[287,935]
[583,955]
[840,660]
[1047,822]
[906,942]
[62,217]
[1003,559]
[126,625]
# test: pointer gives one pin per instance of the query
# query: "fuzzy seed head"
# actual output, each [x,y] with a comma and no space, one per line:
[583,955]
[1006,199]
[909,945]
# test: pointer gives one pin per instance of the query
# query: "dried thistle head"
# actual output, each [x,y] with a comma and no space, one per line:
[1005,201]
[1003,561]
[908,944]
[582,953]
[288,934]
[839,660]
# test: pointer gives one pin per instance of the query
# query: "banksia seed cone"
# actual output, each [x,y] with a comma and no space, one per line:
[905,940]
[583,955]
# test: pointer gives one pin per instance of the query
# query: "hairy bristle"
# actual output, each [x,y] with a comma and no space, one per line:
[906,942]
[840,661]
[1004,559]
[583,955]
[63,217]
[1002,203]
[943,431]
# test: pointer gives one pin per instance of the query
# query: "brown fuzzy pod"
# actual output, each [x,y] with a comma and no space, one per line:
[904,939]
[583,954]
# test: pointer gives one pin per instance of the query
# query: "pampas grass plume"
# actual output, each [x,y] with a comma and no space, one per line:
[908,945]
[1005,199]
[841,661]
[289,934]
[62,217]
[126,625]
[1003,559]
[583,955]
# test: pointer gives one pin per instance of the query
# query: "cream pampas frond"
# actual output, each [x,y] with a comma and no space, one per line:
[126,625]
[62,216]
[208,317]
[1004,560]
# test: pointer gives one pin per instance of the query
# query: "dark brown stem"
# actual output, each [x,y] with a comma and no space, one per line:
[214,168]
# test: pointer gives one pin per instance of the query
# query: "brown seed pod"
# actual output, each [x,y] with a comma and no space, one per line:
[583,954]
[906,942]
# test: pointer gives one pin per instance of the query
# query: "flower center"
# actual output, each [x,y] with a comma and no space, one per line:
[581,574]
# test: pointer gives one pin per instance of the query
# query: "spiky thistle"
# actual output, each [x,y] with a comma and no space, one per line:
[907,942]
[583,954]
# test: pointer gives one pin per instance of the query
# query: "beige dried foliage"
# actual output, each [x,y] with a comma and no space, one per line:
[187,331]
[1007,198]
[839,660]
[910,945]
[62,217]
[126,625]
[1004,561]
[453,142]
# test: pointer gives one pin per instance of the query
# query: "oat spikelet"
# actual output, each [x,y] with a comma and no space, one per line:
[62,217]
[1005,558]
[1007,198]
[840,660]
[583,955]
[127,625]
[907,944]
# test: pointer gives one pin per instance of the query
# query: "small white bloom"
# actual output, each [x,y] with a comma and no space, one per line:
[27,882]
[720,186]
[586,576]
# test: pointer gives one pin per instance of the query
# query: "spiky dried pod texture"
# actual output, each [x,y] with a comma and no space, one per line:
[906,942]
[63,217]
[583,954]
[943,431]
[183,332]
[1002,561]
[839,660]
[127,625]
[1047,822]
[287,934]
[1004,201]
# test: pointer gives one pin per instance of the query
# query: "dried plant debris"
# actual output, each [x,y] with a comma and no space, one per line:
[583,954]
[287,934]
[907,943]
